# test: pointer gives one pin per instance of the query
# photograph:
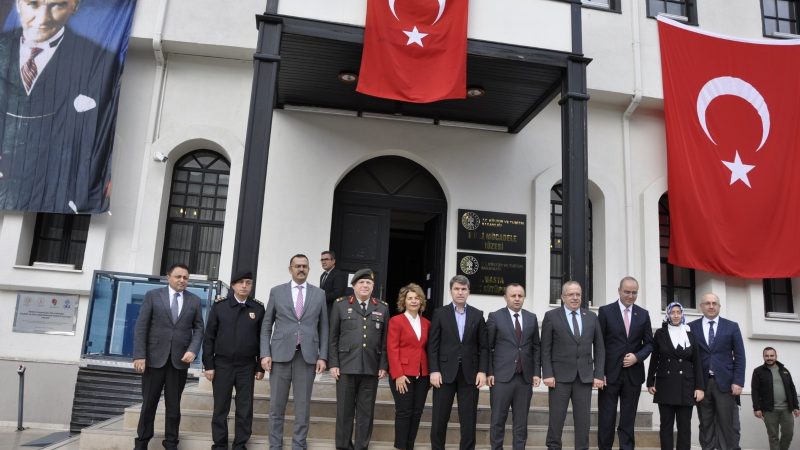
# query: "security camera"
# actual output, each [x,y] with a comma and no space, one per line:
[160,157]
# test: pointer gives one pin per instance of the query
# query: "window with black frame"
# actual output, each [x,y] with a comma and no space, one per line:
[610,5]
[683,10]
[196,214]
[778,296]
[60,239]
[557,279]
[780,18]
[677,283]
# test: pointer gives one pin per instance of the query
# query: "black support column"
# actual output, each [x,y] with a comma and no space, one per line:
[256,150]
[575,175]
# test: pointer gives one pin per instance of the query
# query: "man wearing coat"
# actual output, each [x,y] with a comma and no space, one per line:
[775,400]
[458,357]
[358,359]
[294,346]
[573,358]
[722,353]
[514,365]
[333,281]
[628,340]
[230,359]
[167,338]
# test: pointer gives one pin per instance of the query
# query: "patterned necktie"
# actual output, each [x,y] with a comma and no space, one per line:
[323,278]
[518,334]
[576,330]
[29,69]
[298,307]
[711,335]
[627,322]
[174,307]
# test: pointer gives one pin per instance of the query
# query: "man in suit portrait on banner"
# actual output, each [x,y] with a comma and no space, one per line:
[294,348]
[514,366]
[628,339]
[722,354]
[167,338]
[573,356]
[458,356]
[58,101]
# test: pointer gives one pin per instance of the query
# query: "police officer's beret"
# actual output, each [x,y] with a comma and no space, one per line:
[241,275]
[363,274]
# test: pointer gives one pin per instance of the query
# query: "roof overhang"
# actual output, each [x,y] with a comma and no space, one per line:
[518,81]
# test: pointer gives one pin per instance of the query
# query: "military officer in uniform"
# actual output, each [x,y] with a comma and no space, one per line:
[357,358]
[230,358]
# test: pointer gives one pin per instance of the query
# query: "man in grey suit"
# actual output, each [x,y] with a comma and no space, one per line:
[294,346]
[514,365]
[167,337]
[573,358]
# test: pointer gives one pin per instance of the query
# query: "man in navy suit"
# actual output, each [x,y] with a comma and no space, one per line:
[722,352]
[457,358]
[628,338]
[58,99]
[167,338]
[514,365]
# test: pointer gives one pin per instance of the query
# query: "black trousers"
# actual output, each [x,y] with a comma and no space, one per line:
[669,414]
[155,379]
[355,400]
[227,375]
[627,395]
[467,410]
[408,410]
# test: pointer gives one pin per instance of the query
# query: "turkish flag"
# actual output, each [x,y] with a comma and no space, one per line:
[415,50]
[732,113]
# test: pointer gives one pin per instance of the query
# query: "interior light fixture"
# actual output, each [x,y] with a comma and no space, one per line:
[475,91]
[348,77]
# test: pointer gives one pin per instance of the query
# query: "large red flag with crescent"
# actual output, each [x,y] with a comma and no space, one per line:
[415,50]
[732,112]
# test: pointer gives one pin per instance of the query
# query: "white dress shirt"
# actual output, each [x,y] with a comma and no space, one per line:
[296,291]
[172,293]
[511,311]
[416,324]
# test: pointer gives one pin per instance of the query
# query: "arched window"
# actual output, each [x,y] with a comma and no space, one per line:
[196,216]
[557,248]
[677,283]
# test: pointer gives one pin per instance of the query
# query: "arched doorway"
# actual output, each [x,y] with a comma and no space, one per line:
[389,214]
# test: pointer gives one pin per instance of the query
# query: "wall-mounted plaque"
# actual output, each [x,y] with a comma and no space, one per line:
[491,231]
[489,274]
[46,313]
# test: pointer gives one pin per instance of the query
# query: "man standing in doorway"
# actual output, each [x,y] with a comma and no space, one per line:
[167,338]
[458,358]
[333,281]
[514,365]
[358,359]
[230,359]
[628,340]
[294,346]
[573,357]
[775,400]
[722,352]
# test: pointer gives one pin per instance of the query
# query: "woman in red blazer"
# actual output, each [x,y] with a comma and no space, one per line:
[408,364]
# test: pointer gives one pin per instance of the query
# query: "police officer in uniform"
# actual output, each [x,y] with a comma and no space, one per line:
[357,358]
[230,358]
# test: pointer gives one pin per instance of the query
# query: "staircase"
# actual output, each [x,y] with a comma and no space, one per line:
[102,393]
[118,433]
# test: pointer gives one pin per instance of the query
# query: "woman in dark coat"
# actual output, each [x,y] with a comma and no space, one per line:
[675,377]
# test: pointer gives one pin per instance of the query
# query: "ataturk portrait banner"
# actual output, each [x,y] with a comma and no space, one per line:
[60,68]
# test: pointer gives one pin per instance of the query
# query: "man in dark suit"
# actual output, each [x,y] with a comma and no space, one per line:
[722,352]
[573,356]
[358,359]
[294,346]
[458,356]
[230,359]
[333,281]
[58,99]
[167,338]
[514,365]
[628,340]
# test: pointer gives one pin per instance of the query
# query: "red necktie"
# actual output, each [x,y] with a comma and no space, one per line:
[29,69]
[518,334]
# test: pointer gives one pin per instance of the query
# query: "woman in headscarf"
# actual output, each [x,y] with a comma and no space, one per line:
[675,377]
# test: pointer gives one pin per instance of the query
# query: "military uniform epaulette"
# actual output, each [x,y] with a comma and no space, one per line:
[220,299]
[257,301]
[341,299]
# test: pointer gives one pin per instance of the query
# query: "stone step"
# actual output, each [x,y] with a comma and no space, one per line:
[198,399]
[111,435]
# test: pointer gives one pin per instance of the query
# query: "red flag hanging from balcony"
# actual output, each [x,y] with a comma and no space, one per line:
[733,152]
[415,50]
